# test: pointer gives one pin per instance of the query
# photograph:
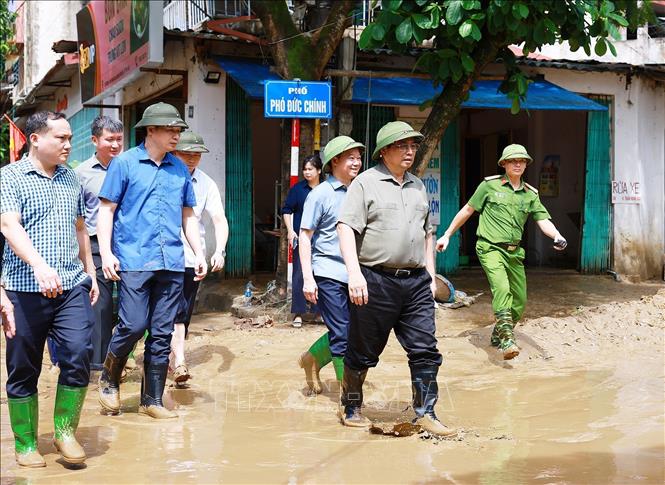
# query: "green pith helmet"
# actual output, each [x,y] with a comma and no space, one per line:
[161,114]
[191,142]
[392,132]
[515,151]
[338,145]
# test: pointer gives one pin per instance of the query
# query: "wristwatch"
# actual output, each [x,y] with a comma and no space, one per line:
[222,252]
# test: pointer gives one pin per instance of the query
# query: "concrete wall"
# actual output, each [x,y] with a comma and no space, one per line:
[46,22]
[643,50]
[638,135]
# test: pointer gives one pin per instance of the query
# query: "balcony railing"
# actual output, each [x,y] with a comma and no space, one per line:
[190,14]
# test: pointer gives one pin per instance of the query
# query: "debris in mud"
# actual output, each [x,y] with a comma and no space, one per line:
[434,438]
[395,429]
[461,300]
[502,437]
[270,302]
[263,321]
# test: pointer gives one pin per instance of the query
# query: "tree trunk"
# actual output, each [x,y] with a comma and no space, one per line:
[303,56]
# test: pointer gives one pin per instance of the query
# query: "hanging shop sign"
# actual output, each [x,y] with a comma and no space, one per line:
[626,192]
[297,99]
[432,181]
[548,185]
[115,39]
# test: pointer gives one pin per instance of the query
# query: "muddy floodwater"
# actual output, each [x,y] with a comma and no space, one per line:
[583,403]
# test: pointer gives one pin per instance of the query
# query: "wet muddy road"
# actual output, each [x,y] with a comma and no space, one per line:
[583,403]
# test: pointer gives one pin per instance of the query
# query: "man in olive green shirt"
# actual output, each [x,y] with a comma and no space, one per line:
[386,240]
[504,203]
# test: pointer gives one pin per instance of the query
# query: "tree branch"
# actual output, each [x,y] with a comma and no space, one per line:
[328,38]
[447,106]
[278,25]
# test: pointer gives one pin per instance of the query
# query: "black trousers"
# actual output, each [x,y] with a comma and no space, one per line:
[405,305]
[68,319]
[105,316]
[189,290]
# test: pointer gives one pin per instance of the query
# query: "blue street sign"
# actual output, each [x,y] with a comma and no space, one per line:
[297,99]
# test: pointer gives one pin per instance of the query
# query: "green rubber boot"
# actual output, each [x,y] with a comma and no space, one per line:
[312,361]
[504,332]
[24,418]
[338,363]
[68,406]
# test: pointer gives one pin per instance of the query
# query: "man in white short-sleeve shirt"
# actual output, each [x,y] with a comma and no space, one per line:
[208,199]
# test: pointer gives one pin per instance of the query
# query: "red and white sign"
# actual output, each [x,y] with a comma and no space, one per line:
[115,39]
[626,192]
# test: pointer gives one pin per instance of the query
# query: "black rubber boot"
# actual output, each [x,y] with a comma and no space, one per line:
[352,398]
[425,395]
[109,383]
[152,389]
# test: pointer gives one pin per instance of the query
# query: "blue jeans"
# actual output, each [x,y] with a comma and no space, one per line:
[148,300]
[334,307]
[67,319]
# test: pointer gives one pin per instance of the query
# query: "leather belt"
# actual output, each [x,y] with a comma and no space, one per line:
[510,247]
[397,272]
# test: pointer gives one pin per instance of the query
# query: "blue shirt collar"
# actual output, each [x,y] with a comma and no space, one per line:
[336,184]
[145,156]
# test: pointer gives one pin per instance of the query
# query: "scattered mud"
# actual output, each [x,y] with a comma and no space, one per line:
[583,403]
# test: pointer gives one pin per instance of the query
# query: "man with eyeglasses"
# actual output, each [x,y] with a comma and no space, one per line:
[504,203]
[146,199]
[387,244]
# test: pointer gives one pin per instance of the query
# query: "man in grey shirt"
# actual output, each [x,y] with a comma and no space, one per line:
[107,136]
[386,240]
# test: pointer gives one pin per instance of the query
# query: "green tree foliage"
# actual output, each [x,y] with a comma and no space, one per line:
[466,35]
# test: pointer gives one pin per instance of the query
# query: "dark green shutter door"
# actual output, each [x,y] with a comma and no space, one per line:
[448,262]
[239,182]
[596,226]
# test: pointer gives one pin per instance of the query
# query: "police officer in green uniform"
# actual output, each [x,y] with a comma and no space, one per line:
[504,203]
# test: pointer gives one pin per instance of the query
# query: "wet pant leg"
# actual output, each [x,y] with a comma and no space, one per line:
[494,262]
[190,288]
[416,328]
[134,291]
[517,280]
[334,306]
[68,318]
[371,324]
[165,300]
[71,330]
[104,317]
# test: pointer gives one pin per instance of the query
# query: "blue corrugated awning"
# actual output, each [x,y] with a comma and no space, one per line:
[541,95]
[251,76]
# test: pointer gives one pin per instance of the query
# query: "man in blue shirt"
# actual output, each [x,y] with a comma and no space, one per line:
[146,199]
[324,273]
[49,278]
